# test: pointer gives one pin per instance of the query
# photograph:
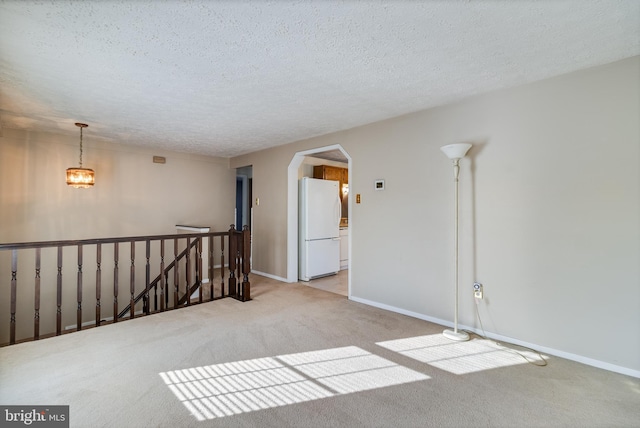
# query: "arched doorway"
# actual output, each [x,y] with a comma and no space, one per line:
[292,208]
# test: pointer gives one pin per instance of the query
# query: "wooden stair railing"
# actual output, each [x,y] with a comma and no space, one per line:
[49,284]
[154,284]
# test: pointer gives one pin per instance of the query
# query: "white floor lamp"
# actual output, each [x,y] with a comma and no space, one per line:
[456,152]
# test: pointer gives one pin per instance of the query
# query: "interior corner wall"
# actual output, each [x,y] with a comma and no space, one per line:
[549,208]
[132,196]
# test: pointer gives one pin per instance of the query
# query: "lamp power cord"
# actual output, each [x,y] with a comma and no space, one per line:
[540,361]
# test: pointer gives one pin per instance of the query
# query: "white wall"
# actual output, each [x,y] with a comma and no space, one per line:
[549,212]
[133,196]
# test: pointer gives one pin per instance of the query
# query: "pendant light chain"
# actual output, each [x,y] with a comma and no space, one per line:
[81,147]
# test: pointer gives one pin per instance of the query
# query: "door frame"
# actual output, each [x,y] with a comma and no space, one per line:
[292,209]
[244,179]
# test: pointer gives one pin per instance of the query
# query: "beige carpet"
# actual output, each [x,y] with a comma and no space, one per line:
[301,357]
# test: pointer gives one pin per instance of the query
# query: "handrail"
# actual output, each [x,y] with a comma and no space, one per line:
[154,283]
[69,243]
[73,285]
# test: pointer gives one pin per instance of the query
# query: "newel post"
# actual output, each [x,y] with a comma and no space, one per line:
[233,254]
[246,263]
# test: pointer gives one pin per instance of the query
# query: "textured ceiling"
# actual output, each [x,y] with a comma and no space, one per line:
[332,155]
[230,77]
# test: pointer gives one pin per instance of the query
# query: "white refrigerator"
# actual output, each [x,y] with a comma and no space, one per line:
[319,228]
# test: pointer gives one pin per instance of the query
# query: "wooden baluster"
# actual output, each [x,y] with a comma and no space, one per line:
[132,281]
[210,258]
[36,316]
[176,273]
[115,282]
[98,283]
[147,277]
[155,296]
[199,269]
[188,261]
[14,285]
[163,281]
[233,254]
[246,263]
[222,266]
[79,311]
[59,295]
[166,294]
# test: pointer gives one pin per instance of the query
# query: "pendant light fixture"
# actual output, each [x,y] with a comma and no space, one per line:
[455,152]
[80,177]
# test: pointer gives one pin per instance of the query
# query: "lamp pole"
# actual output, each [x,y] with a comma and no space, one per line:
[455,152]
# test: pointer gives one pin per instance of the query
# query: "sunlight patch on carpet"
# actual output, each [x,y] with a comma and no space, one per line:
[244,386]
[459,357]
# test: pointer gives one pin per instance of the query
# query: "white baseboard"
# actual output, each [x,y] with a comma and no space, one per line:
[542,349]
[268,275]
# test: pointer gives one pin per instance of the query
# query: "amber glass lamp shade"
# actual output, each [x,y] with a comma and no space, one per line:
[80,177]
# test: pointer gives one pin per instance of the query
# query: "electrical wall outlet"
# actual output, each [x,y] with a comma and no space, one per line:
[477,290]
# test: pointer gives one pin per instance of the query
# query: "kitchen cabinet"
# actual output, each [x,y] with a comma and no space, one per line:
[344,248]
[327,172]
